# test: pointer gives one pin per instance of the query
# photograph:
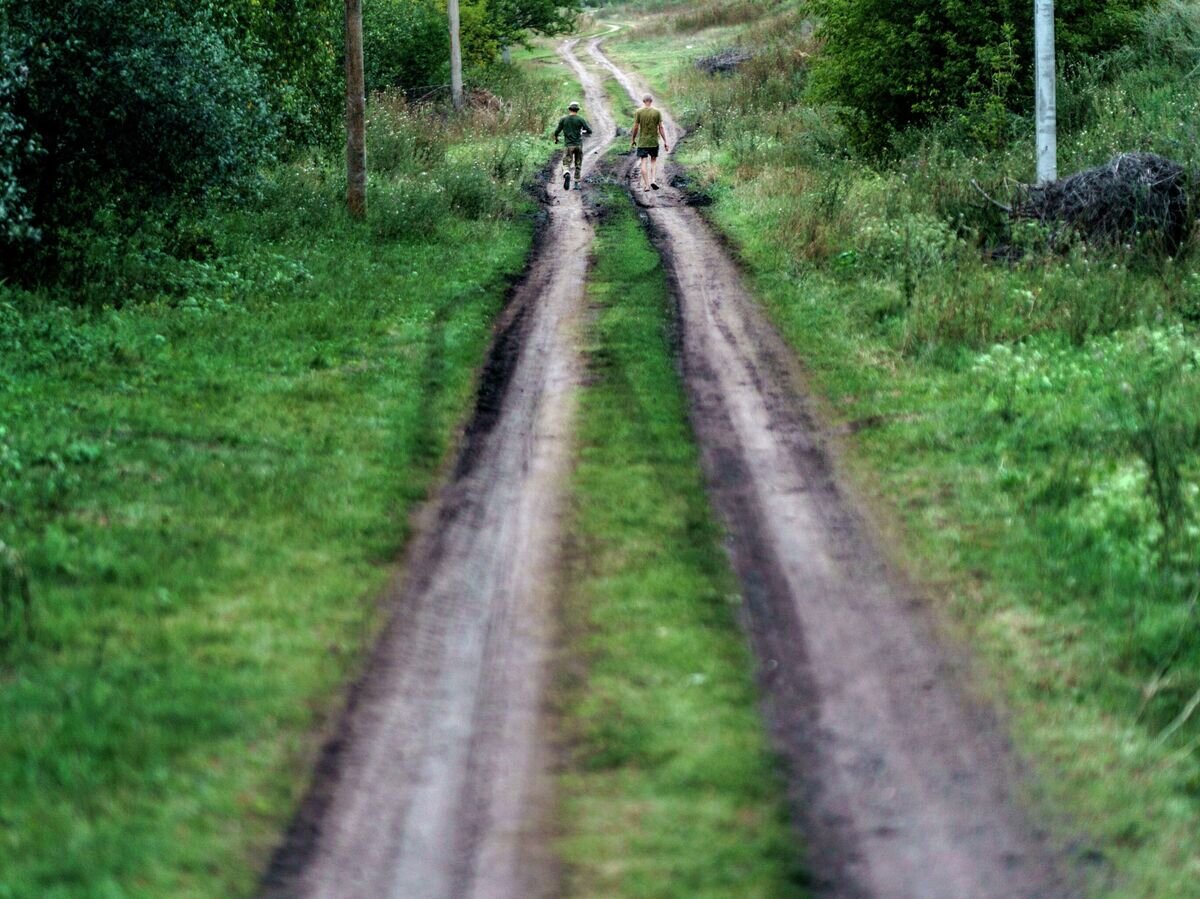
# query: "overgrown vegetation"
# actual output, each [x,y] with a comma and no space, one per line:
[206,469]
[1026,406]
[125,124]
[669,789]
[893,65]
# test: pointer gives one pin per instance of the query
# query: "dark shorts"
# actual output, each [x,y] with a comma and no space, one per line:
[643,152]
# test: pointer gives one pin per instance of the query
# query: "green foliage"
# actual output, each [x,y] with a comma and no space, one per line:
[297,45]
[132,111]
[1171,30]
[406,45]
[894,65]
[207,487]
[514,19]
[17,150]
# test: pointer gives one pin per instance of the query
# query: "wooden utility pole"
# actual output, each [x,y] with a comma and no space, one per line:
[456,85]
[356,104]
[1047,105]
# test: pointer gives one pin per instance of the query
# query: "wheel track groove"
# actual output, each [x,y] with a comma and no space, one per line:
[436,784]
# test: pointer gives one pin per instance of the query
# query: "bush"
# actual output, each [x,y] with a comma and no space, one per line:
[471,193]
[406,210]
[1171,30]
[399,140]
[17,152]
[406,45]
[892,65]
[133,111]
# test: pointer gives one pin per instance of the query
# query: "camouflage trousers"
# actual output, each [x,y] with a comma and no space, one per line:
[573,154]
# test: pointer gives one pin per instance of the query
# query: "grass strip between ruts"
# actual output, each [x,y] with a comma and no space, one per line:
[669,788]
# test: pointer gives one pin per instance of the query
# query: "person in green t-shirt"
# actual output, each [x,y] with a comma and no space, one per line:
[572,127]
[647,129]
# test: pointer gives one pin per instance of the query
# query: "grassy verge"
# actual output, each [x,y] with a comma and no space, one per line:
[209,487]
[669,790]
[1032,426]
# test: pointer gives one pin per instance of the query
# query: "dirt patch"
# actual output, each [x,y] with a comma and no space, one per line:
[904,784]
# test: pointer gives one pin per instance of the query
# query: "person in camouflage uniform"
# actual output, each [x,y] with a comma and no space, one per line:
[572,127]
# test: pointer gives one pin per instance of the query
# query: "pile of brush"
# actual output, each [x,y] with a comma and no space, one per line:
[725,61]
[1137,199]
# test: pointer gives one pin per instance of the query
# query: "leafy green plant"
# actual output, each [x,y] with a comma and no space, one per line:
[890,66]
[133,105]
[1156,409]
[17,149]
[16,597]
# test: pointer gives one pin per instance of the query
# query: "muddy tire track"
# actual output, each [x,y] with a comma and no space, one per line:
[903,784]
[436,784]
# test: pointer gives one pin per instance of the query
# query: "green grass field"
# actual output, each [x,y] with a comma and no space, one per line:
[670,790]
[209,490]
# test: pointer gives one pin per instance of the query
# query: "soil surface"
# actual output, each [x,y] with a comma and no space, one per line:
[436,784]
[904,785]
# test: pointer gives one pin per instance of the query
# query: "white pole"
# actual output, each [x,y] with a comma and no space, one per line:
[1047,105]
[456,85]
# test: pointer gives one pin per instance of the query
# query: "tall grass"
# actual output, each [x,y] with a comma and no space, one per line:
[207,464]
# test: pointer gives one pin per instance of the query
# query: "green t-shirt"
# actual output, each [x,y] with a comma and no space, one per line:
[571,127]
[647,120]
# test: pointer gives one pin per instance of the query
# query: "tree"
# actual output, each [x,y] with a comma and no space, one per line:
[891,65]
[130,109]
[514,19]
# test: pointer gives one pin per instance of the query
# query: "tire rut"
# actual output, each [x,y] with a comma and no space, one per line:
[904,785]
[436,784]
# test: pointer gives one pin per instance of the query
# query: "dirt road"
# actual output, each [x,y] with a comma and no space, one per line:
[905,787]
[436,784]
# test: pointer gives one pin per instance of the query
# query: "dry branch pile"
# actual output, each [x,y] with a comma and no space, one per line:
[1132,197]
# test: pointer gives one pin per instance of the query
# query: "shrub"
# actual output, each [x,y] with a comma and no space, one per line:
[406,210]
[398,140]
[1171,30]
[471,193]
[17,151]
[406,45]
[132,109]
[892,65]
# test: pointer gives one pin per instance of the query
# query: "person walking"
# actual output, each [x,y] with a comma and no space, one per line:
[647,129]
[572,127]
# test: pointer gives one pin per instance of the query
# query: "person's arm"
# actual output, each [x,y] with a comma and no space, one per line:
[558,130]
[633,134]
[663,135]
[587,129]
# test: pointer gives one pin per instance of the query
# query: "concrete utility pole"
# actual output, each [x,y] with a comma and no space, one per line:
[1047,104]
[356,105]
[456,85]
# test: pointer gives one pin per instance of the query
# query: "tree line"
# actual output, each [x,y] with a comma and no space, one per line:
[112,111]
